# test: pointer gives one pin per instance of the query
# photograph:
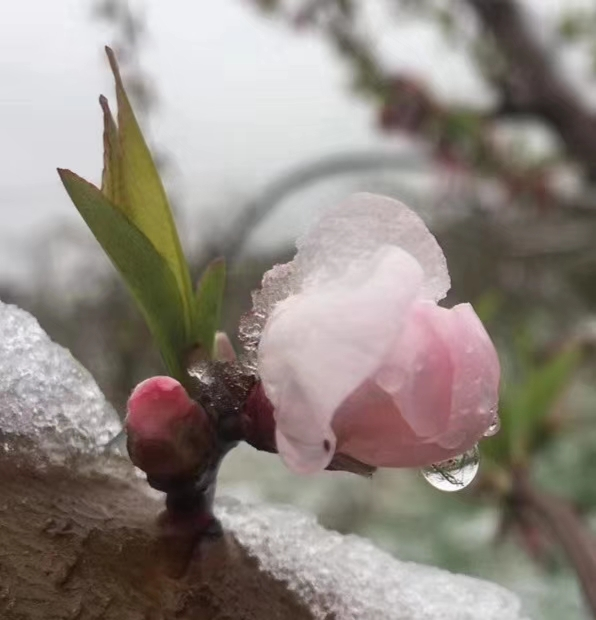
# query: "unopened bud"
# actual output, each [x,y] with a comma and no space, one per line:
[223,349]
[169,435]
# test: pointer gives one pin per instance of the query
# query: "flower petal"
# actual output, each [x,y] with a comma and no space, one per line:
[319,346]
[476,373]
[355,229]
[155,405]
[418,374]
[369,427]
[392,422]
[344,236]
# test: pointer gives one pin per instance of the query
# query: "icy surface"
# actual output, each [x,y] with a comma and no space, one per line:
[278,283]
[356,229]
[350,233]
[347,578]
[46,397]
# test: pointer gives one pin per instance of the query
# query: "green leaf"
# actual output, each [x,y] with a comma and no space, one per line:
[146,273]
[525,406]
[543,388]
[112,181]
[208,299]
[146,204]
[488,306]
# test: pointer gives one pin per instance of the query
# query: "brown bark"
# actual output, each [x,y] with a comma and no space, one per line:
[77,545]
[533,85]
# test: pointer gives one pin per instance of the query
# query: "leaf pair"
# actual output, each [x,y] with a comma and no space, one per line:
[131,219]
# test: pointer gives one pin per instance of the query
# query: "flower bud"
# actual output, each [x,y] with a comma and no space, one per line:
[169,435]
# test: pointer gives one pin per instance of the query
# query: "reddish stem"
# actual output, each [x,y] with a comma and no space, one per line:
[566,527]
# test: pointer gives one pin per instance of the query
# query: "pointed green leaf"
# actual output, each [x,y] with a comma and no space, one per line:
[146,273]
[209,298]
[524,406]
[146,203]
[112,182]
[543,388]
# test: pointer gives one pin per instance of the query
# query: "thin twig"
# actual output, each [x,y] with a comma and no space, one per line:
[566,527]
[533,85]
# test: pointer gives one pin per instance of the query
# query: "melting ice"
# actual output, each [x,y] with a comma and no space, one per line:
[46,396]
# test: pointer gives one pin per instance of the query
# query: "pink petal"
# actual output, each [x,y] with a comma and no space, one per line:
[418,374]
[155,404]
[476,374]
[407,421]
[344,237]
[320,345]
[370,428]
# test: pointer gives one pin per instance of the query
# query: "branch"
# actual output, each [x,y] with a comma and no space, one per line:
[87,545]
[257,209]
[564,525]
[532,85]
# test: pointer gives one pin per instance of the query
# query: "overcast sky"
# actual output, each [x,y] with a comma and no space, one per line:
[243,99]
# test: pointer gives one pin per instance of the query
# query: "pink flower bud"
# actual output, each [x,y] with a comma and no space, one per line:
[359,359]
[169,434]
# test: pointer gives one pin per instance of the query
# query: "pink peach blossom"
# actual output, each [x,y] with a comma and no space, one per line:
[356,356]
[168,433]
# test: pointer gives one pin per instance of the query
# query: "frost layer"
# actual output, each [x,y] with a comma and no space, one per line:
[46,396]
[347,578]
[350,233]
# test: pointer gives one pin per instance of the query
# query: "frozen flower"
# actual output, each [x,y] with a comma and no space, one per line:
[355,355]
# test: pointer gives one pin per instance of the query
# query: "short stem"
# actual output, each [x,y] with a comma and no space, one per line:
[559,517]
[188,520]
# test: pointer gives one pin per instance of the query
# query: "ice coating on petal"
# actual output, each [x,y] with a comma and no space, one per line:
[356,228]
[46,397]
[278,283]
[319,346]
[348,578]
[348,234]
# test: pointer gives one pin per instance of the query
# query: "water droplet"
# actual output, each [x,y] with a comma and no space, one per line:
[454,474]
[494,428]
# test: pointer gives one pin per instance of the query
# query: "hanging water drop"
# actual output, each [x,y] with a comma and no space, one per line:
[494,428]
[454,474]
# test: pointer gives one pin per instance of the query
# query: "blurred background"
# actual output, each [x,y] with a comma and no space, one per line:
[479,114]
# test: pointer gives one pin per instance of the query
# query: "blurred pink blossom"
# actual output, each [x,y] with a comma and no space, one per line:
[355,355]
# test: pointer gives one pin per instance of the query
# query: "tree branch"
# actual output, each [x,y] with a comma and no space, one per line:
[77,545]
[532,84]
[564,525]
[257,209]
